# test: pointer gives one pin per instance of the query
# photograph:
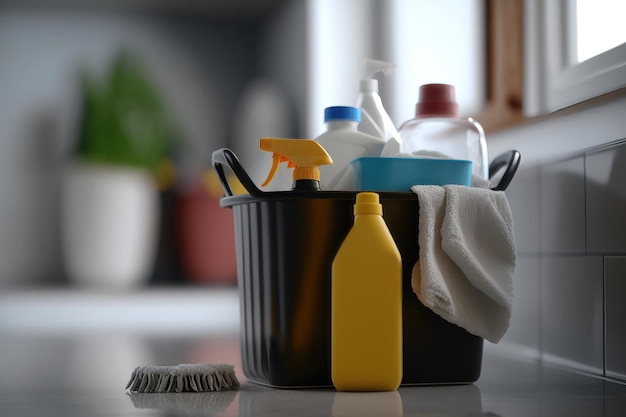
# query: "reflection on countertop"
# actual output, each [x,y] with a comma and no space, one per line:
[49,367]
[86,375]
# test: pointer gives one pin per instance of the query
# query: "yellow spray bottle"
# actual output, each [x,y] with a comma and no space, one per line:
[304,155]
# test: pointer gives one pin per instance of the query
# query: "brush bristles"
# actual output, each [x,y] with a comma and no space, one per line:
[183,378]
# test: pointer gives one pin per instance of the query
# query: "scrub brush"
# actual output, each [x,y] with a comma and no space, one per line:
[182,378]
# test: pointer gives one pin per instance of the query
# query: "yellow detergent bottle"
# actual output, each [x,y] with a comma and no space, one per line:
[304,155]
[366,304]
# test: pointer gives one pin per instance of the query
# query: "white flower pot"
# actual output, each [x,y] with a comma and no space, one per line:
[110,221]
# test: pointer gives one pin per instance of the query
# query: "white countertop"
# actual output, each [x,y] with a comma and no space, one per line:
[171,310]
[80,368]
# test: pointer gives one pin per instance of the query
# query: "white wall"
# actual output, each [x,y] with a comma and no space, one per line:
[340,39]
[429,41]
[564,133]
[436,42]
[569,206]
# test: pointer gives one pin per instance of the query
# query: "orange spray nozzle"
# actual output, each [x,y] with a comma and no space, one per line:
[304,155]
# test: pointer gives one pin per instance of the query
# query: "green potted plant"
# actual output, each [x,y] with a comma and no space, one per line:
[110,196]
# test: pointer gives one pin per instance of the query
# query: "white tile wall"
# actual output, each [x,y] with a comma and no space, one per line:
[563,206]
[570,281]
[524,329]
[615,275]
[572,325]
[582,180]
[525,199]
[606,200]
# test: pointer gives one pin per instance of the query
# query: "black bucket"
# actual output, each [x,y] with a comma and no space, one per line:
[286,242]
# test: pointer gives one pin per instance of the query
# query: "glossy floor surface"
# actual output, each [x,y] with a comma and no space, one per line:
[84,375]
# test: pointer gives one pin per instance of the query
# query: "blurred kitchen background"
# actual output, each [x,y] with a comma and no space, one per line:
[223,73]
[226,73]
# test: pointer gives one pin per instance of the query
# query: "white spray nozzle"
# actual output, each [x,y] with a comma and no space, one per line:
[374,65]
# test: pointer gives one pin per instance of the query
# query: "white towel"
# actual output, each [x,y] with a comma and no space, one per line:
[466,257]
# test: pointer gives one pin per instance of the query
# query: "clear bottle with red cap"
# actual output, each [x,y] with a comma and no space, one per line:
[438,130]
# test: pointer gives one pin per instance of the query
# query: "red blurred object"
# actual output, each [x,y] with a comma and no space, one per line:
[206,236]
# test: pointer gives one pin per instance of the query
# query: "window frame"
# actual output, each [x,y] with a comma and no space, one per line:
[528,71]
[554,82]
[504,97]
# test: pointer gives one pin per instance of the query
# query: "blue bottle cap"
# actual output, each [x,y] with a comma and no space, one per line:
[342,113]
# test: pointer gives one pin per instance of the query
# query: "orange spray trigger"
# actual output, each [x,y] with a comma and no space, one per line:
[304,155]
[277,159]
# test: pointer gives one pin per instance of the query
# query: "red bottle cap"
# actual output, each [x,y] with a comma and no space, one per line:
[437,100]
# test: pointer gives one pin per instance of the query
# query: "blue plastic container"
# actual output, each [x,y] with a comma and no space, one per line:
[400,174]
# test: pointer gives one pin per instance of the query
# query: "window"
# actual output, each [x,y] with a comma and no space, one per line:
[574,51]
[599,27]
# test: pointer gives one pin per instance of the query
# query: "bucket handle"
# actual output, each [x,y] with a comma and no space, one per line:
[225,157]
[509,159]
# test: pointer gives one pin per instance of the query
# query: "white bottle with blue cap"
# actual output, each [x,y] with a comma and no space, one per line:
[344,142]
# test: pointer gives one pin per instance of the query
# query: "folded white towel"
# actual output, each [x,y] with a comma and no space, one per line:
[466,257]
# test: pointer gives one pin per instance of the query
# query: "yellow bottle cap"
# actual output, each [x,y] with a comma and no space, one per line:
[306,173]
[368,203]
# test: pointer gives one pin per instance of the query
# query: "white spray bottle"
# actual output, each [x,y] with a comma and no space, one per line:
[374,118]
